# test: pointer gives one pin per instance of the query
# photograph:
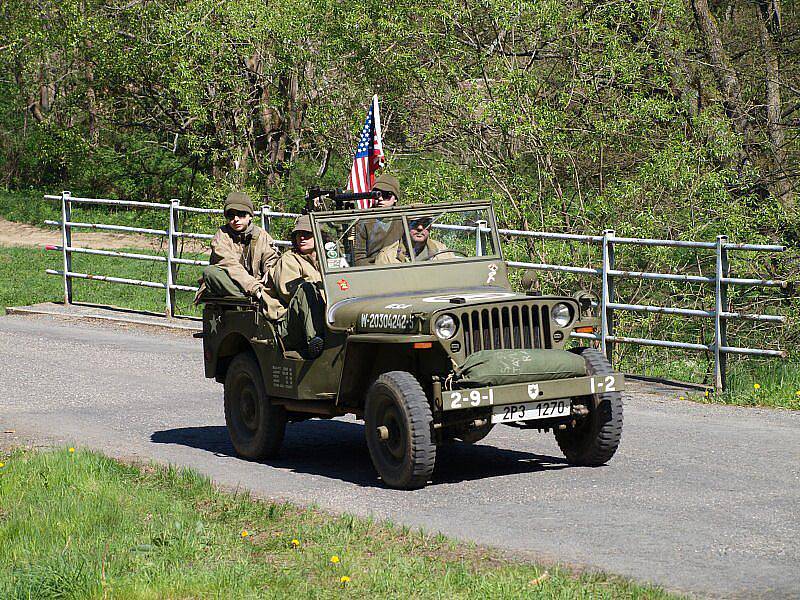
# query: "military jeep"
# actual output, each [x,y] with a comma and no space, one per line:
[428,345]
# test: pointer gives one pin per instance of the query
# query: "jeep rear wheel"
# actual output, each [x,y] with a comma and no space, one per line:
[398,422]
[256,426]
[595,437]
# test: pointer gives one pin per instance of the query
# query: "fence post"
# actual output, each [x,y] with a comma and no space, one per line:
[172,246]
[265,220]
[479,227]
[66,243]
[721,304]
[607,297]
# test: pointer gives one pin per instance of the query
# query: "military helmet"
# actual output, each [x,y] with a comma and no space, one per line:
[303,223]
[387,183]
[238,201]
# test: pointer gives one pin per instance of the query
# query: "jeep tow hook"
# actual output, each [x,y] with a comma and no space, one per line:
[580,410]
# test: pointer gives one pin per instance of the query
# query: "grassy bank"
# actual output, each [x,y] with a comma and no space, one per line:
[79,525]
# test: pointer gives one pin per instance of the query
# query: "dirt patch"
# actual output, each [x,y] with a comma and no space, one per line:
[21,234]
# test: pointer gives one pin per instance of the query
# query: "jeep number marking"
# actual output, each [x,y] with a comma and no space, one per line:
[282,377]
[472,399]
[385,321]
[609,384]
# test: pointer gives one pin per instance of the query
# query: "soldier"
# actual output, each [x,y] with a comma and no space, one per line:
[242,254]
[424,247]
[296,282]
[374,234]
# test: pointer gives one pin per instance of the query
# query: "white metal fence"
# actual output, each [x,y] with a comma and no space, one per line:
[608,242]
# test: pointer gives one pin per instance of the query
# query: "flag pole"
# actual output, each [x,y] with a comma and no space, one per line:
[377,115]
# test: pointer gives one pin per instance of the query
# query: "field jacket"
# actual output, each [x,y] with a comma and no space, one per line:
[247,257]
[372,235]
[397,253]
[289,272]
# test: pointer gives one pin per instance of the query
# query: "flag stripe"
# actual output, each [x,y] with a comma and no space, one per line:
[368,156]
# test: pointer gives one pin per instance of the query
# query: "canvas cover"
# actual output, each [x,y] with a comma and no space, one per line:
[502,367]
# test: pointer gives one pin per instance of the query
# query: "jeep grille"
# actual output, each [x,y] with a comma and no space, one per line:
[506,327]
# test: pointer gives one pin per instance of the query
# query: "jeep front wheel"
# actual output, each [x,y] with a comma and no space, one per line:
[595,438]
[398,424]
[256,426]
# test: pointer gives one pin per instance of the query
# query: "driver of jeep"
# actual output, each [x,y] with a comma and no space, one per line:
[425,248]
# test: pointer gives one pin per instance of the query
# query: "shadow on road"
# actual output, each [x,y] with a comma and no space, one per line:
[337,449]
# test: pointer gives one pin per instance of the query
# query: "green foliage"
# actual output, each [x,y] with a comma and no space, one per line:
[574,117]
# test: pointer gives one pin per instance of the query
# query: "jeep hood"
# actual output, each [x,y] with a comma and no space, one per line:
[403,312]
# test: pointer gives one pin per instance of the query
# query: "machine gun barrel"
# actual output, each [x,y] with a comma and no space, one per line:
[342,199]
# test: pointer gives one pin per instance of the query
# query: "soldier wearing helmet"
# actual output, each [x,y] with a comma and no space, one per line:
[372,235]
[295,281]
[242,254]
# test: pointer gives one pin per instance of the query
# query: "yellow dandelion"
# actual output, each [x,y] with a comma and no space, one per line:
[244,533]
[344,579]
[335,559]
[797,393]
[708,393]
[72,450]
[2,465]
[682,398]
[756,386]
[295,543]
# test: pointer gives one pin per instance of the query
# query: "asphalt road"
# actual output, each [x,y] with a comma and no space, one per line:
[700,499]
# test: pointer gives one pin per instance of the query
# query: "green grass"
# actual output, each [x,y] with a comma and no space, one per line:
[23,280]
[30,207]
[80,525]
[751,381]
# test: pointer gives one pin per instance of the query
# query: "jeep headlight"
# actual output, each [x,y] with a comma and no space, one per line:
[561,314]
[445,326]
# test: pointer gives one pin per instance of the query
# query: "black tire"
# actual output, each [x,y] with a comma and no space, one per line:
[255,425]
[406,459]
[595,438]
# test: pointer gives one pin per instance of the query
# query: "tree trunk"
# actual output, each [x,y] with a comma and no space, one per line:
[724,73]
[91,100]
[769,30]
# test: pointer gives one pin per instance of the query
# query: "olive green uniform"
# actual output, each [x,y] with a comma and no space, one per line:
[297,283]
[372,236]
[240,263]
[397,253]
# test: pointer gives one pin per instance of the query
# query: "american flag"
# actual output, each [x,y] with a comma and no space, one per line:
[369,155]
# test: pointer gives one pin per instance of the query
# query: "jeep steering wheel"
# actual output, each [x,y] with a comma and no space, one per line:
[445,251]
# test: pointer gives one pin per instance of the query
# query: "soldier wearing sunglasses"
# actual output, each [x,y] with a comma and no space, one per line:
[424,247]
[372,235]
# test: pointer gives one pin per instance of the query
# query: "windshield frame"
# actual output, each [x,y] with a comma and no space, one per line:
[407,214]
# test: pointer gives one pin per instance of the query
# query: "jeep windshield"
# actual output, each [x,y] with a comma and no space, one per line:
[405,236]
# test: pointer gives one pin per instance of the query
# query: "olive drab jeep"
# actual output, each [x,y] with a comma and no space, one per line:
[428,345]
